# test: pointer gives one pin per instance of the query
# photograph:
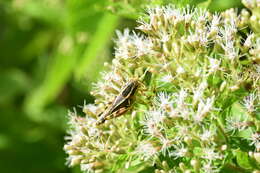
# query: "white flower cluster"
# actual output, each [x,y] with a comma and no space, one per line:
[198,92]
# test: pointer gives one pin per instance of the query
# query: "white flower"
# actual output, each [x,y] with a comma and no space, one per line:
[249,102]
[167,78]
[209,168]
[86,167]
[203,37]
[234,123]
[180,151]
[164,101]
[144,26]
[164,36]
[154,14]
[255,140]
[228,44]
[172,15]
[180,99]
[213,65]
[207,135]
[123,44]
[249,3]
[100,145]
[199,91]
[249,41]
[112,76]
[90,109]
[180,70]
[123,37]
[132,45]
[150,127]
[203,109]
[93,131]
[186,113]
[152,122]
[78,139]
[156,115]
[188,14]
[230,51]
[146,150]
[211,155]
[107,76]
[143,45]
[166,144]
[215,20]
[74,160]
[200,38]
[183,131]
[181,109]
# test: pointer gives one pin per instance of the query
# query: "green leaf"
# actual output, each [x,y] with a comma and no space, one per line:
[237,110]
[243,159]
[204,4]
[231,168]
[220,5]
[245,133]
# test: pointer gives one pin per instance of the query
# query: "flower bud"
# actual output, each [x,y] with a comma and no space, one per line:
[127,165]
[99,171]
[165,165]
[256,171]
[119,151]
[188,140]
[234,88]
[224,147]
[68,147]
[157,171]
[196,164]
[73,152]
[75,161]
[96,165]
[187,171]
[257,157]
[182,166]
[251,154]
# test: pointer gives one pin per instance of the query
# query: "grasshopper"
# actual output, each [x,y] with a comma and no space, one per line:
[121,104]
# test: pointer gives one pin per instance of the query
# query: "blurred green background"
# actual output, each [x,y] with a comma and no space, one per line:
[50,53]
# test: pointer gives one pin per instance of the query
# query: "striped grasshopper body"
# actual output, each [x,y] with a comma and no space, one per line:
[121,104]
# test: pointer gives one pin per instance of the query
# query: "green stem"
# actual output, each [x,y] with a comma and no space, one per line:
[103,34]
[221,129]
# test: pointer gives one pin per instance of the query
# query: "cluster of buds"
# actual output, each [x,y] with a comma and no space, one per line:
[254,6]
[197,102]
